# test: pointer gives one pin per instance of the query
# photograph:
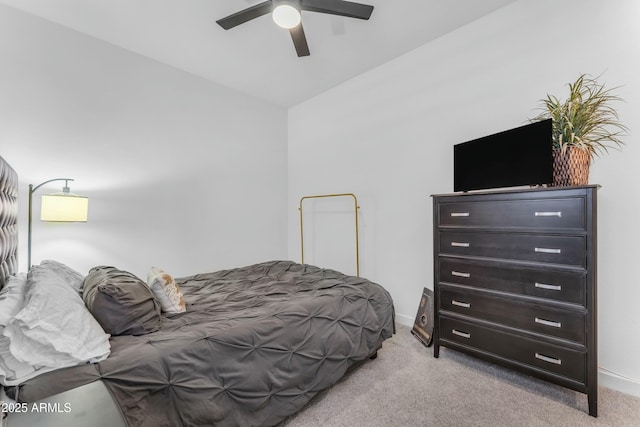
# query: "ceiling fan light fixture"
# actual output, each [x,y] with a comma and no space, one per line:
[286,16]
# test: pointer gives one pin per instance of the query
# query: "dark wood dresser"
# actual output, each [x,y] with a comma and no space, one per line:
[515,281]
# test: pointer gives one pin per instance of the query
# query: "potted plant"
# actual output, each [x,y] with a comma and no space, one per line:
[585,125]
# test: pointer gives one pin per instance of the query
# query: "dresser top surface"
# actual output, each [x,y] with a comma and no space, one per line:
[516,190]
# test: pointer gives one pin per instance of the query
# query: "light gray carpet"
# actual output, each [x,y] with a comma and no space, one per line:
[407,386]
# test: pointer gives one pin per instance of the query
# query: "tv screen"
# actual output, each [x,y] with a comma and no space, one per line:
[520,156]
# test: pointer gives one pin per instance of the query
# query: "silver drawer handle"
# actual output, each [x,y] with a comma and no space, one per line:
[558,214]
[460,304]
[460,333]
[460,274]
[549,287]
[548,250]
[460,244]
[549,359]
[548,322]
[459,214]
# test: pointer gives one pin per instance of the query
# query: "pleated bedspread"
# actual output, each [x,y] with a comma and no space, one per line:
[254,346]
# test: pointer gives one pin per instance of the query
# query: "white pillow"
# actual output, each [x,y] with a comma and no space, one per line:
[11,302]
[55,329]
[12,297]
[65,273]
[13,371]
[166,291]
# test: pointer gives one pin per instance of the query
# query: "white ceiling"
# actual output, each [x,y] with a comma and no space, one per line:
[258,57]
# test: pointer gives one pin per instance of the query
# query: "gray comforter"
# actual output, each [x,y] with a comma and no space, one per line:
[255,345]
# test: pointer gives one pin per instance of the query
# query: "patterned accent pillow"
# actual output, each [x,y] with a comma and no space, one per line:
[166,290]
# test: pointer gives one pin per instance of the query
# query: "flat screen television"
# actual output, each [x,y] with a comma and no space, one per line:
[516,157]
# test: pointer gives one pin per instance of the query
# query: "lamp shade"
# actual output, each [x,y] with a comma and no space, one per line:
[64,207]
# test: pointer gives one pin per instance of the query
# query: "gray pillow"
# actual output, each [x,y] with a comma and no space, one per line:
[121,302]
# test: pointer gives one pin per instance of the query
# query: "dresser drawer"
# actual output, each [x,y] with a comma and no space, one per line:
[552,284]
[541,355]
[555,249]
[552,213]
[517,313]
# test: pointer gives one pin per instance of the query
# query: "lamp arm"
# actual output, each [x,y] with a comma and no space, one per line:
[32,190]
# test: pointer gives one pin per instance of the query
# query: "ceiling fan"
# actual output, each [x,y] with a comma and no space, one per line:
[286,13]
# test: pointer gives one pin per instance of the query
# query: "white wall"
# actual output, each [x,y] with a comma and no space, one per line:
[180,173]
[387,135]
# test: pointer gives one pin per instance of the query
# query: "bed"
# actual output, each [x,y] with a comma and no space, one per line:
[251,346]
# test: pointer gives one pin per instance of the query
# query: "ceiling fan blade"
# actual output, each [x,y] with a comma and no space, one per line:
[245,15]
[299,40]
[339,7]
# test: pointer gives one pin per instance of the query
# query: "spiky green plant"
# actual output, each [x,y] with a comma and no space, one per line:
[585,119]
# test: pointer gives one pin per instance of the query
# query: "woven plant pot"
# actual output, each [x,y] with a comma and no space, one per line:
[571,167]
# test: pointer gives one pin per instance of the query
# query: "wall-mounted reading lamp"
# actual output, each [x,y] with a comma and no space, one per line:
[58,207]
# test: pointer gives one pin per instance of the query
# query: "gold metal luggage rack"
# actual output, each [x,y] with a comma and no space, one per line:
[355,209]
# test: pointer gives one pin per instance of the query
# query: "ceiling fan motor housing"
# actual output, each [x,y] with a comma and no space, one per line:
[293,3]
